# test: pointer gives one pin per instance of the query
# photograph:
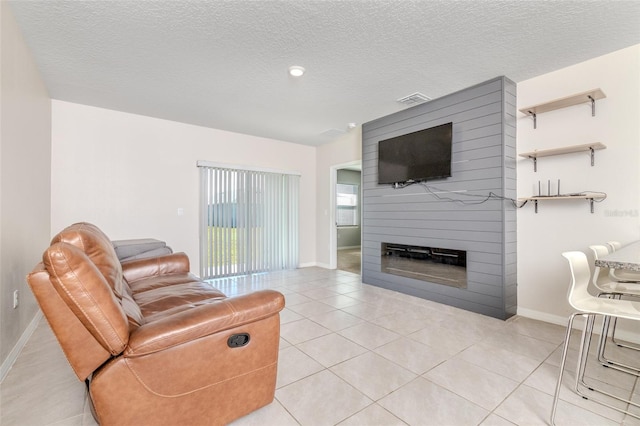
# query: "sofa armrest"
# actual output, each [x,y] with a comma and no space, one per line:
[203,320]
[176,263]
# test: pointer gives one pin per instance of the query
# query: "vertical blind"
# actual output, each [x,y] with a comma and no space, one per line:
[248,221]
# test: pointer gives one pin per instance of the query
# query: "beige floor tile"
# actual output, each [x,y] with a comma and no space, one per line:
[446,340]
[631,421]
[619,379]
[336,320]
[302,330]
[500,360]
[284,344]
[293,299]
[331,349]
[87,415]
[321,399]
[521,344]
[538,329]
[422,402]
[412,355]
[44,404]
[340,301]
[273,414]
[71,421]
[347,278]
[318,293]
[343,288]
[401,323]
[475,322]
[287,315]
[623,355]
[545,379]
[373,375]
[528,406]
[311,308]
[367,311]
[369,295]
[293,365]
[369,335]
[373,415]
[470,327]
[493,420]
[473,383]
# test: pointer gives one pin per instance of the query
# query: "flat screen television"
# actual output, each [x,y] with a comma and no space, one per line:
[417,156]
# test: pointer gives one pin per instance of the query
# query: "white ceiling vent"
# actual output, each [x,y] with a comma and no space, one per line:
[414,99]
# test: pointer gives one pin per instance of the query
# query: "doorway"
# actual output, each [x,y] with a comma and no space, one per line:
[346,231]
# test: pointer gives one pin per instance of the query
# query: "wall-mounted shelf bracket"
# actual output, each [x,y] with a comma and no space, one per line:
[580,98]
[535,119]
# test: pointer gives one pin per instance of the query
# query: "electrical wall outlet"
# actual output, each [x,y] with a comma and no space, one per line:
[16,300]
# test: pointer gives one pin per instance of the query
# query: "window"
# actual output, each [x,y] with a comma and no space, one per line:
[347,205]
[248,221]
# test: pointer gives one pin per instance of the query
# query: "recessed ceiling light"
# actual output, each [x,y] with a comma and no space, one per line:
[296,71]
[351,125]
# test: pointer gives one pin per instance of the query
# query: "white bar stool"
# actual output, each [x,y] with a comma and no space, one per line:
[589,307]
[615,290]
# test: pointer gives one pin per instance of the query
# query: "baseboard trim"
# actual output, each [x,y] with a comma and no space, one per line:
[13,355]
[558,320]
[349,247]
[307,265]
[542,316]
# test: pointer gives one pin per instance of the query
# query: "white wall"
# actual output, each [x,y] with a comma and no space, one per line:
[129,174]
[344,150]
[543,275]
[25,167]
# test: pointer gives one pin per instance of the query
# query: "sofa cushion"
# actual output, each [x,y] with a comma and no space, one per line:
[84,289]
[97,246]
[172,292]
[131,248]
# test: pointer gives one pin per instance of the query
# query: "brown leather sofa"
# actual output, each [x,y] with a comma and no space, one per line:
[156,345]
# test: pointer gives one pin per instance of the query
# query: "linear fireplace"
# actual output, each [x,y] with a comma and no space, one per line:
[431,264]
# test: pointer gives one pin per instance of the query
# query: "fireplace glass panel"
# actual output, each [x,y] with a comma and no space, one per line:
[431,264]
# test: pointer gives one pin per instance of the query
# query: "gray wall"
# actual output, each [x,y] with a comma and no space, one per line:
[25,181]
[350,236]
[483,162]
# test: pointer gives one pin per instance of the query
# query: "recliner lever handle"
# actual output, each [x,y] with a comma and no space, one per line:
[238,340]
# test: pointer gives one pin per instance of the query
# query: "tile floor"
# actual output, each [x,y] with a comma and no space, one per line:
[349,260]
[354,354]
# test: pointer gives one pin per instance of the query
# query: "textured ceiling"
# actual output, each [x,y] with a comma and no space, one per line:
[223,64]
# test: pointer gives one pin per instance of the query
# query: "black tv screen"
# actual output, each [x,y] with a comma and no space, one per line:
[417,156]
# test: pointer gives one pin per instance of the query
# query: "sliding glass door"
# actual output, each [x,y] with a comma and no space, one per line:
[248,221]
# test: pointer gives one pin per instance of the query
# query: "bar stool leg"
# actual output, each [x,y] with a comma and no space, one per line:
[563,362]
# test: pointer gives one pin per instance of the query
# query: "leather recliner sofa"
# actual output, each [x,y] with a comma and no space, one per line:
[155,344]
